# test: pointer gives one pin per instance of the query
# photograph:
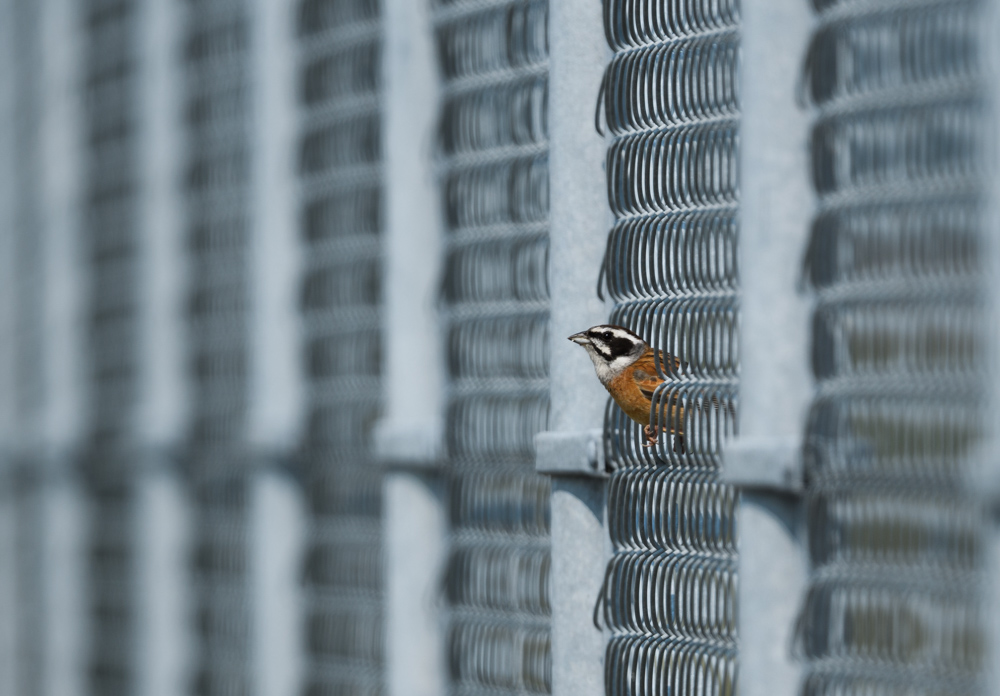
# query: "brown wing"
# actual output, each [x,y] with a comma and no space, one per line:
[645,374]
[648,380]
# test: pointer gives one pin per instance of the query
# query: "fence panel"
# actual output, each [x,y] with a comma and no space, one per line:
[671,109]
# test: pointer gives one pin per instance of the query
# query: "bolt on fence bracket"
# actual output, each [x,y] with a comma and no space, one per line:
[766,463]
[570,454]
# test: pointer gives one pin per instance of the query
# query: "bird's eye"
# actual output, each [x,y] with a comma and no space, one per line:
[607,334]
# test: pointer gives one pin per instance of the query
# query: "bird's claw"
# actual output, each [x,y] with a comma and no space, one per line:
[652,439]
[651,436]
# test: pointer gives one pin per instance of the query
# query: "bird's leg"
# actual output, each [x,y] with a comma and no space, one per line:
[651,437]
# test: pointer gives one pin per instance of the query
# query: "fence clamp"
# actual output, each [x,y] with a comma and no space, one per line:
[763,463]
[579,453]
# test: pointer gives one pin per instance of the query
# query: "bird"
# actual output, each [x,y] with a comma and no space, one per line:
[626,366]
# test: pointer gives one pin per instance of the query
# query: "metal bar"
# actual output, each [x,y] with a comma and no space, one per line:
[410,433]
[416,549]
[56,434]
[579,218]
[277,536]
[776,384]
[11,636]
[63,417]
[163,538]
[62,536]
[984,477]
[276,385]
[414,363]
[162,400]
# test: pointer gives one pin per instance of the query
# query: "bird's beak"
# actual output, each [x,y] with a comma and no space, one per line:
[580,338]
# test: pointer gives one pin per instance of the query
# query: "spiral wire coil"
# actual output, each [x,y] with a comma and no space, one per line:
[341,206]
[215,56]
[111,250]
[671,106]
[898,338]
[494,158]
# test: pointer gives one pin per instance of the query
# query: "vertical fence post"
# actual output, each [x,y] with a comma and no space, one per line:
[161,509]
[277,384]
[9,635]
[276,380]
[776,385]
[409,437]
[162,538]
[61,511]
[572,451]
[984,474]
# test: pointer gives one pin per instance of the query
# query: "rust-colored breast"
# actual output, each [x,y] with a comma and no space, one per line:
[633,389]
[627,394]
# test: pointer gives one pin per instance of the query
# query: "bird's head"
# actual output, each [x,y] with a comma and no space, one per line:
[611,349]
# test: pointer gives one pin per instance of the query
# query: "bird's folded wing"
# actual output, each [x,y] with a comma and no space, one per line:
[645,375]
[646,382]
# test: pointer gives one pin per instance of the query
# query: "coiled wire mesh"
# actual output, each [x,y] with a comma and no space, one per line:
[216,188]
[671,106]
[340,49]
[493,140]
[897,160]
[111,247]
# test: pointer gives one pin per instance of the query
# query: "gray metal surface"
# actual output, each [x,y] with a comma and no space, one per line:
[572,451]
[898,155]
[765,459]
[50,518]
[669,598]
[411,430]
[341,208]
[409,434]
[493,142]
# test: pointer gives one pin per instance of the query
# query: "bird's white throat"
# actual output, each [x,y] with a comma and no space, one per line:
[606,369]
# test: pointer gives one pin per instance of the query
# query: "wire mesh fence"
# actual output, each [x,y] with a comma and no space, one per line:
[671,108]
[106,595]
[111,247]
[899,147]
[493,141]
[216,190]
[341,223]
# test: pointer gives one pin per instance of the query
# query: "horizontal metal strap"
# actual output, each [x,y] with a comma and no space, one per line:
[579,453]
[763,462]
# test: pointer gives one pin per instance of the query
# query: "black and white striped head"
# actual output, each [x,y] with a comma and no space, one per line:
[611,349]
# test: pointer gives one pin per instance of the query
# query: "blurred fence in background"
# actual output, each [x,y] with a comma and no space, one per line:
[286,405]
[493,139]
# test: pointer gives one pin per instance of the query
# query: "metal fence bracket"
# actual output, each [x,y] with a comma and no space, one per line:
[763,463]
[570,454]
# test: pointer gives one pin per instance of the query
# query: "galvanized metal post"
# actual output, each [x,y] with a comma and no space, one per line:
[61,417]
[409,438]
[984,475]
[161,537]
[277,535]
[162,545]
[414,364]
[776,384]
[276,381]
[416,549]
[163,403]
[572,452]
[8,230]
[9,635]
